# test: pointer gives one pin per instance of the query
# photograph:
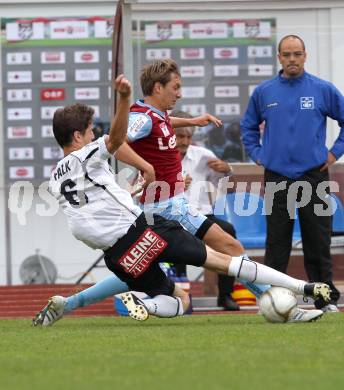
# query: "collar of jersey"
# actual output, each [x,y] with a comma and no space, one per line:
[143,104]
[292,79]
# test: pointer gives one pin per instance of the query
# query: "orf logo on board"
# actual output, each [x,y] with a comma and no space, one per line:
[53,94]
[307,103]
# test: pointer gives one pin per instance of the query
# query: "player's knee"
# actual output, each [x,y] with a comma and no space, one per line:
[185,298]
[235,247]
[222,242]
[239,249]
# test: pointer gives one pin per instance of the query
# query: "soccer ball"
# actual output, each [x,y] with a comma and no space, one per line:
[276,304]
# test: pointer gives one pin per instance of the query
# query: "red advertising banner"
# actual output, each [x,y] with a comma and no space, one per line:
[52,94]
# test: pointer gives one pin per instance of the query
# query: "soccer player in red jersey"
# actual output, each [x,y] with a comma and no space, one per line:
[150,134]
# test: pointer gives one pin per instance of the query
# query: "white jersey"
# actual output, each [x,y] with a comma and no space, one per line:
[202,190]
[99,212]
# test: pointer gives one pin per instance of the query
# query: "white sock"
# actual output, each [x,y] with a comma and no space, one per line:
[164,306]
[243,267]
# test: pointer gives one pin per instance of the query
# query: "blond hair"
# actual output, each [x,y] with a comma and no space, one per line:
[158,71]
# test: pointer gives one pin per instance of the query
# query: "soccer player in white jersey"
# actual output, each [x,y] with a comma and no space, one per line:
[103,216]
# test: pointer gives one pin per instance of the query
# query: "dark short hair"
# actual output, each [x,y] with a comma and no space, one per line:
[76,117]
[291,36]
[158,71]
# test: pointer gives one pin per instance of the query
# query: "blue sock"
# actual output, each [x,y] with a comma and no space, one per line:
[107,287]
[256,289]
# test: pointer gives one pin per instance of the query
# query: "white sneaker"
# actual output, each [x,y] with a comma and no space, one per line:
[51,312]
[330,308]
[136,308]
[302,315]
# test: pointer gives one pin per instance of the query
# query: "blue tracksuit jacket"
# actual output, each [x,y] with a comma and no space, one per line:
[295,112]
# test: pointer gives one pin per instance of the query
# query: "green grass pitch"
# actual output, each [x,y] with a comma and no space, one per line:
[192,352]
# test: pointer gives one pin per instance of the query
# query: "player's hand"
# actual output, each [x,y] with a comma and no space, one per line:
[187,182]
[143,180]
[330,160]
[219,165]
[136,190]
[122,86]
[205,119]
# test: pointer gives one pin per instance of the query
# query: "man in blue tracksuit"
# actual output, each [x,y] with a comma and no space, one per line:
[294,107]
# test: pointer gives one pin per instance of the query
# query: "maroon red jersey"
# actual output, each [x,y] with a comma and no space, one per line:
[151,136]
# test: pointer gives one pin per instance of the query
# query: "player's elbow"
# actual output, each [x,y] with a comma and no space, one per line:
[238,249]
[233,247]
[114,144]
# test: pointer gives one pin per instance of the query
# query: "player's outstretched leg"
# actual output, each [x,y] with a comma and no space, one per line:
[243,267]
[107,287]
[51,312]
[103,289]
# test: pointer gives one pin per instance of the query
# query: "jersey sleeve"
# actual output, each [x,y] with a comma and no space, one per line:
[335,101]
[250,126]
[140,126]
[104,154]
[95,150]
